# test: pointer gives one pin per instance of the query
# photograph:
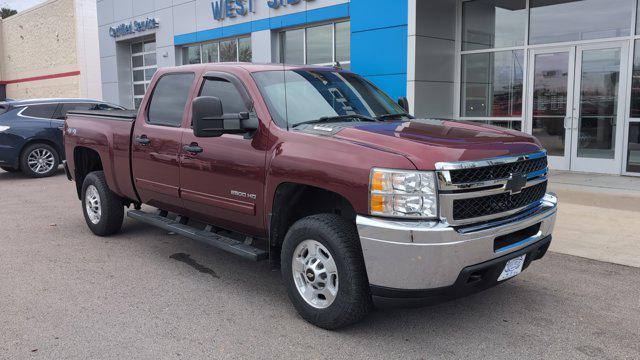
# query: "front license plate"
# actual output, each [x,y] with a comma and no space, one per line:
[513,268]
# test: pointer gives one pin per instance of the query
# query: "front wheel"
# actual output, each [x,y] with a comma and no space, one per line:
[324,273]
[103,209]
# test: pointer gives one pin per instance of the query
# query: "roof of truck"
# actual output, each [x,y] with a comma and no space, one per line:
[255,67]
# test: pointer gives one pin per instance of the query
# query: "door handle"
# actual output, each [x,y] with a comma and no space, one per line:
[568,122]
[193,148]
[143,140]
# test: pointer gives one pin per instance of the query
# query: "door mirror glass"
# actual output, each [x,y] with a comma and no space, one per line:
[209,119]
[207,116]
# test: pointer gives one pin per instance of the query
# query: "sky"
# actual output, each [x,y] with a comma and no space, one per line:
[19,4]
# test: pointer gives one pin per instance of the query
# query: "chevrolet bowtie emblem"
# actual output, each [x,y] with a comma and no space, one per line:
[515,183]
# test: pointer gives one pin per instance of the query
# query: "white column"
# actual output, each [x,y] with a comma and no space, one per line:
[88,53]
[261,48]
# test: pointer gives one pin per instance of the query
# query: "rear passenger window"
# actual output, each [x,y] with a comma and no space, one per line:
[40,111]
[232,102]
[169,99]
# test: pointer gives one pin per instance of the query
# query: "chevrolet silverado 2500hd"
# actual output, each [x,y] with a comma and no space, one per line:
[320,171]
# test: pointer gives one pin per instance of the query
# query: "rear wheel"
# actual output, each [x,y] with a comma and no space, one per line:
[39,160]
[9,169]
[324,273]
[103,209]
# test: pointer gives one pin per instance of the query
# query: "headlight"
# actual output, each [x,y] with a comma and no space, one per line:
[401,193]
[3,128]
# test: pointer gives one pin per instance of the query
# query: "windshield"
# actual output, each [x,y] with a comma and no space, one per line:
[301,96]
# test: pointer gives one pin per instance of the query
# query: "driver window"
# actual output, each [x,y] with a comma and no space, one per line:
[232,102]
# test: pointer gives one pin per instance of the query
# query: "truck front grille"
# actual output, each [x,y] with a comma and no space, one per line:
[494,204]
[485,190]
[494,172]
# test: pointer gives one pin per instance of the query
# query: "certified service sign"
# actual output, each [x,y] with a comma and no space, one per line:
[133,27]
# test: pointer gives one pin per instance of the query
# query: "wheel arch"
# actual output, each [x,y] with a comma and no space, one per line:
[86,160]
[293,201]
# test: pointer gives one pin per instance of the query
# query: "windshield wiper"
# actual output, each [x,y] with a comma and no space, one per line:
[337,118]
[393,116]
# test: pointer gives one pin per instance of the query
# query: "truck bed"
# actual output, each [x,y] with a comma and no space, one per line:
[107,132]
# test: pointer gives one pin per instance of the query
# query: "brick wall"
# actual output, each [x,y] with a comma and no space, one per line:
[40,41]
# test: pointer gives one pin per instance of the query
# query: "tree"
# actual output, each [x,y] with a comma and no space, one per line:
[6,12]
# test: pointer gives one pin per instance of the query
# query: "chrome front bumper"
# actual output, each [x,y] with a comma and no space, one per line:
[431,254]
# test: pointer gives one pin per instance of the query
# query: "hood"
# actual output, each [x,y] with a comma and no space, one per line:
[426,142]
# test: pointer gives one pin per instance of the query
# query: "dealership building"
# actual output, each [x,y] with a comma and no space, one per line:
[563,70]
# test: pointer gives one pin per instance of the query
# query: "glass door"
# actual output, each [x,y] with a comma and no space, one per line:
[598,116]
[551,83]
[575,105]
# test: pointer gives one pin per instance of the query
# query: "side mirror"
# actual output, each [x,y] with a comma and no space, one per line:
[209,120]
[404,103]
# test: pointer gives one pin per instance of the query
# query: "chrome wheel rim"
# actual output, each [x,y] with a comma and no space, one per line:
[315,274]
[92,204]
[41,161]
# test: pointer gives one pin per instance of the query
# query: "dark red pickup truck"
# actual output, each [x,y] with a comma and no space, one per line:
[320,171]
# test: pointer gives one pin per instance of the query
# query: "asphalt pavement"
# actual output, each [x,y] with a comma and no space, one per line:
[147,294]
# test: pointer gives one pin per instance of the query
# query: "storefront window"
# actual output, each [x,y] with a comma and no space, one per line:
[292,46]
[491,84]
[191,54]
[638,19]
[210,53]
[600,76]
[343,42]
[635,83]
[244,49]
[229,50]
[633,150]
[490,24]
[232,50]
[320,44]
[633,153]
[570,20]
[317,45]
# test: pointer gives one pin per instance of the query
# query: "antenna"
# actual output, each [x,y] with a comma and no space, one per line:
[286,95]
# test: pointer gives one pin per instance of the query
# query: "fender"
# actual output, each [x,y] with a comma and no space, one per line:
[327,163]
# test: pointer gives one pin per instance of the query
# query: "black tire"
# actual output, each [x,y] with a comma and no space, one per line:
[111,206]
[340,237]
[9,169]
[24,160]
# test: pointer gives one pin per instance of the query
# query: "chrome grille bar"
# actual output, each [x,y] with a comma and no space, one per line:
[449,191]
